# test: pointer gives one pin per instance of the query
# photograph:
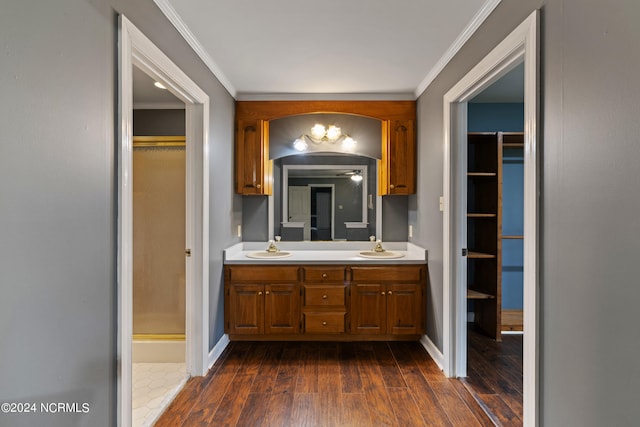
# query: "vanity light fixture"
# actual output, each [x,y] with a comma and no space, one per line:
[159,85]
[319,134]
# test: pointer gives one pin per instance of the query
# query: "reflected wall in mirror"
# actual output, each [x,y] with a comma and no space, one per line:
[314,197]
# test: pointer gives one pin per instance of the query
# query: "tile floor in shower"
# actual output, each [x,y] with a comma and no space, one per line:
[154,386]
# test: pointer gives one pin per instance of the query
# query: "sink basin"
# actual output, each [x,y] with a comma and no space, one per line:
[269,255]
[381,255]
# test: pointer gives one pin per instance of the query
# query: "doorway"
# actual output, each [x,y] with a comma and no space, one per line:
[521,46]
[322,211]
[159,270]
[137,50]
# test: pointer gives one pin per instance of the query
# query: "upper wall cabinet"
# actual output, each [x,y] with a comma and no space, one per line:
[397,167]
[253,167]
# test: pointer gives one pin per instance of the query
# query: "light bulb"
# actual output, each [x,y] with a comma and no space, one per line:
[349,143]
[318,131]
[300,144]
[333,133]
[159,85]
[356,177]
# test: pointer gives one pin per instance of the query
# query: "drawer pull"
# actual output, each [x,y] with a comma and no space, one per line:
[324,323]
[324,296]
[324,275]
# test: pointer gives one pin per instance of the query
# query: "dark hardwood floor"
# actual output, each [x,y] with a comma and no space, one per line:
[494,372]
[325,384]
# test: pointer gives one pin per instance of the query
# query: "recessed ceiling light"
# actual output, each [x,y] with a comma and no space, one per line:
[159,85]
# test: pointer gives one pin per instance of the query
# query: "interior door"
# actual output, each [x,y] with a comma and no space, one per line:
[300,208]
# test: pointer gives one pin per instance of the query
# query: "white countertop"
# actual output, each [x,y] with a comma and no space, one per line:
[324,253]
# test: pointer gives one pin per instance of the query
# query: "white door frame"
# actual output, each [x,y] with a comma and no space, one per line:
[520,45]
[136,49]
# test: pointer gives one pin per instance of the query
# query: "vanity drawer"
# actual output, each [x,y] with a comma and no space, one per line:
[325,296]
[324,323]
[409,273]
[324,274]
[262,274]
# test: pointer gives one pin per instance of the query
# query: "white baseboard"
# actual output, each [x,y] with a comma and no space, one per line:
[433,351]
[217,350]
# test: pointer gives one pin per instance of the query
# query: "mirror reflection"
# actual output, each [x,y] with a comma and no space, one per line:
[325,197]
[318,161]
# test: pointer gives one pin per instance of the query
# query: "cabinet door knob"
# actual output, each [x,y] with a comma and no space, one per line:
[382,293]
[324,296]
[324,275]
[258,186]
[324,323]
[259,292]
[391,186]
[389,293]
[267,293]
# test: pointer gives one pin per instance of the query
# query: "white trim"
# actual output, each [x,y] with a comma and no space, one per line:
[433,351]
[369,96]
[464,36]
[136,49]
[521,44]
[217,350]
[158,106]
[175,19]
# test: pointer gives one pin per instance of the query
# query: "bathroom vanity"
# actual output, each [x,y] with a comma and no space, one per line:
[325,291]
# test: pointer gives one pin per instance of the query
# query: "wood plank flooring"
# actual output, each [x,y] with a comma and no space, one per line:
[494,379]
[324,384]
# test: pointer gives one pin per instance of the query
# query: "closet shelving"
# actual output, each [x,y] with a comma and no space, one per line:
[484,225]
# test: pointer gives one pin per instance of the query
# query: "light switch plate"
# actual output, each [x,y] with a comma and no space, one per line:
[441,203]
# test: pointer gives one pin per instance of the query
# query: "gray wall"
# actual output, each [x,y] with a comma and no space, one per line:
[58,176]
[158,122]
[589,224]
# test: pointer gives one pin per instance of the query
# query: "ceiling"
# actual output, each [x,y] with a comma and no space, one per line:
[361,49]
[146,95]
[509,88]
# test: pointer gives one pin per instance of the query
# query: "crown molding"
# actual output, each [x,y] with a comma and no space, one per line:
[370,96]
[175,19]
[464,36]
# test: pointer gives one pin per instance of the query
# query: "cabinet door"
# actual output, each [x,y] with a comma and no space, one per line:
[282,309]
[368,309]
[404,308]
[398,165]
[246,306]
[253,168]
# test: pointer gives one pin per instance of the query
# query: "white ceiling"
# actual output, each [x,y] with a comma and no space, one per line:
[146,95]
[370,48]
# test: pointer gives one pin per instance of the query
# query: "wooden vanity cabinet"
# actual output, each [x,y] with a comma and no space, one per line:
[388,300]
[397,168]
[262,300]
[253,167]
[318,302]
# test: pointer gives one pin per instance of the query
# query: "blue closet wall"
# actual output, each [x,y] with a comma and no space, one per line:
[507,117]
